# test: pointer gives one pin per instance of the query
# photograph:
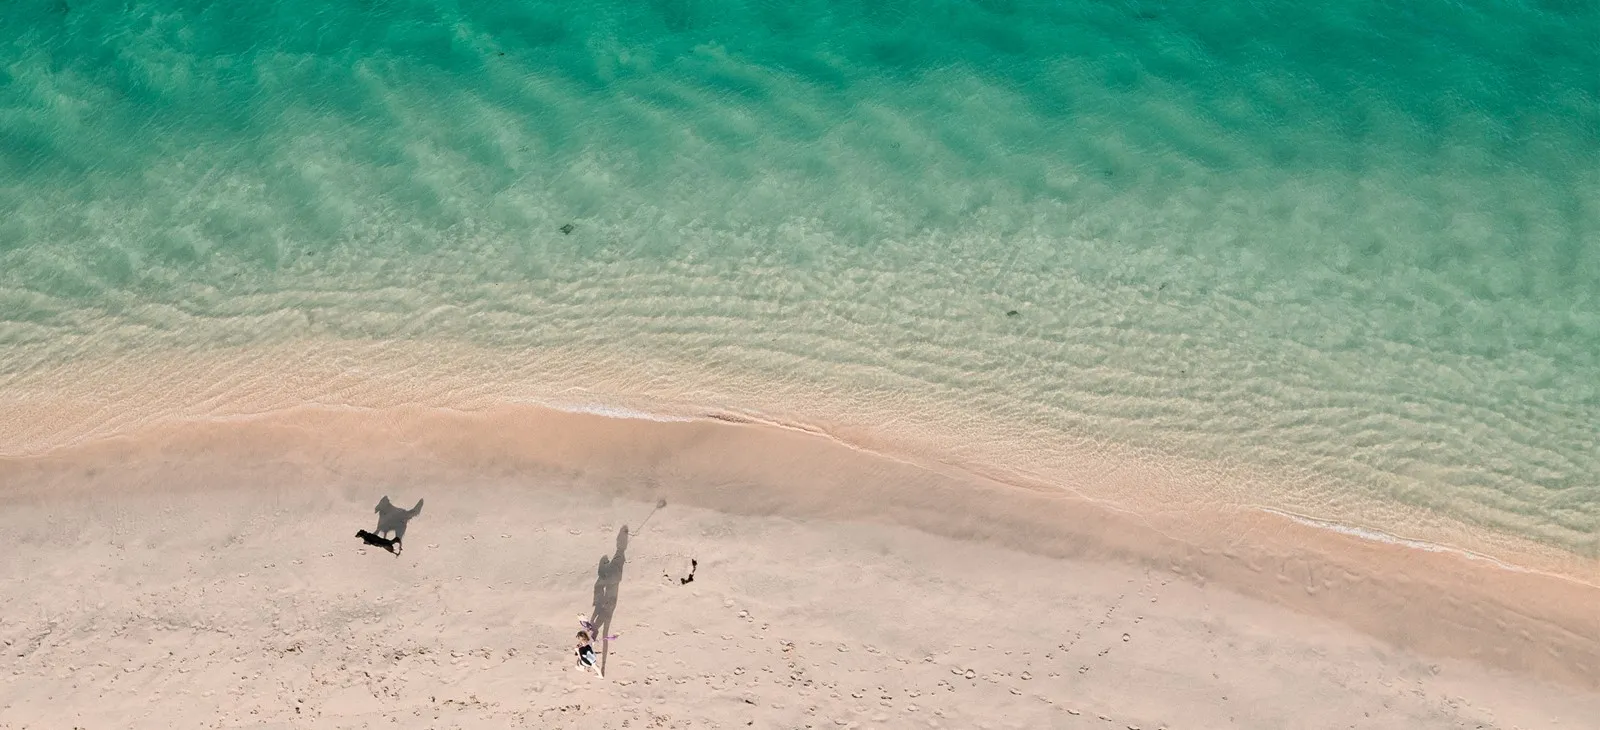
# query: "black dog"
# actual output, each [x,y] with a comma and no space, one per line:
[392,546]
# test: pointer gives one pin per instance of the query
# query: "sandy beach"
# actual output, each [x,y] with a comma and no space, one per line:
[1130,365]
[206,575]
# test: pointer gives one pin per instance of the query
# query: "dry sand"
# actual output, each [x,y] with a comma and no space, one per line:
[206,575]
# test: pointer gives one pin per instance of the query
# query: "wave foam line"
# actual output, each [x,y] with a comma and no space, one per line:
[618,412]
[1367,533]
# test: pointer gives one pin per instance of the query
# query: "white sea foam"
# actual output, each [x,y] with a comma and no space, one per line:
[622,412]
[1390,539]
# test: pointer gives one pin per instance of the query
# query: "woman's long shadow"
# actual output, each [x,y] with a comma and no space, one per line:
[608,578]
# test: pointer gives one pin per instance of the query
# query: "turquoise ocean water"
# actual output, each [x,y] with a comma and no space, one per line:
[1358,239]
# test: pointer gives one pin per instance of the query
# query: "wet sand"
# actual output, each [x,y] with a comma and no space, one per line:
[206,574]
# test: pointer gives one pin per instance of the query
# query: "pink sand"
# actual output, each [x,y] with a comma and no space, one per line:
[204,573]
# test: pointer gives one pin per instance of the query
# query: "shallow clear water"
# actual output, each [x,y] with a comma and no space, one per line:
[1360,241]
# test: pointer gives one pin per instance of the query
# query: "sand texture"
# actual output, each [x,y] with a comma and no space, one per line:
[212,579]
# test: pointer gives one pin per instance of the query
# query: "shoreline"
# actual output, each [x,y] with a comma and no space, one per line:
[1532,623]
[1526,556]
[90,399]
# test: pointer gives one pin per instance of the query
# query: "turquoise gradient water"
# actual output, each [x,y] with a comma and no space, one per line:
[1361,239]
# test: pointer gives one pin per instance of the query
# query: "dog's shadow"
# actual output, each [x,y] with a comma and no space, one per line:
[392,520]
